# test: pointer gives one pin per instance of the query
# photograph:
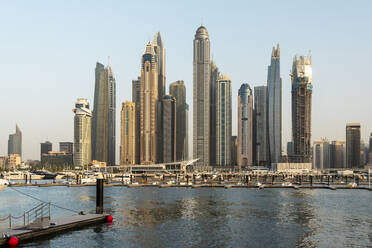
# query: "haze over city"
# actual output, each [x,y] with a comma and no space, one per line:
[49,51]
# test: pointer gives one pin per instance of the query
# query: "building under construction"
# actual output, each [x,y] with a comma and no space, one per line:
[301,108]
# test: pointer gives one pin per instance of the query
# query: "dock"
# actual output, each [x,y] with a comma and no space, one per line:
[25,233]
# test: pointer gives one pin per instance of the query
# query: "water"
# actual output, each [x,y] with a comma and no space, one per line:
[208,217]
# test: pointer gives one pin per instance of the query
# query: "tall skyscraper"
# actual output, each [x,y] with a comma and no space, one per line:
[168,123]
[149,107]
[261,130]
[245,126]
[136,98]
[353,145]
[15,142]
[82,133]
[338,154]
[301,107]
[223,121]
[201,96]
[128,133]
[104,132]
[187,155]
[290,148]
[214,76]
[45,148]
[159,50]
[274,107]
[178,91]
[321,154]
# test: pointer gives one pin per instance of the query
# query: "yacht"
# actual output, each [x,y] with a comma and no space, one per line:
[3,184]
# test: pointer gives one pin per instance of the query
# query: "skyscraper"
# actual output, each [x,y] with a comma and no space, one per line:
[82,133]
[15,142]
[149,107]
[214,76]
[337,150]
[321,154]
[103,135]
[187,155]
[353,145]
[274,107]
[245,126]
[223,121]
[136,98]
[301,107]
[178,91]
[128,133]
[201,96]
[159,50]
[261,135]
[168,123]
[45,148]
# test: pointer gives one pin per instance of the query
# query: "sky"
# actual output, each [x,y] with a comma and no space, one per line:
[48,52]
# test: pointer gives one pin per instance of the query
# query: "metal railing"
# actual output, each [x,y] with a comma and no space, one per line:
[39,211]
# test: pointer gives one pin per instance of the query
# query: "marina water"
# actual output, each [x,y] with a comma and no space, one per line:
[207,217]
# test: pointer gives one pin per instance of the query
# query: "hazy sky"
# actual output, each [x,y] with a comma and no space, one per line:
[48,51]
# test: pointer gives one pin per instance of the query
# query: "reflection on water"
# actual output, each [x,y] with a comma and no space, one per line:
[210,217]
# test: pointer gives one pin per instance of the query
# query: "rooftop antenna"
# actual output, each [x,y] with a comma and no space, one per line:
[108,63]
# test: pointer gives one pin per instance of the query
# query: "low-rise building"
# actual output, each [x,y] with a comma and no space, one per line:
[14,161]
[292,167]
[56,158]
[3,162]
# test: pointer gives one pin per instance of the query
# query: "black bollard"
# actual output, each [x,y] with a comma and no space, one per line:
[187,178]
[311,181]
[272,180]
[99,195]
[328,180]
[25,178]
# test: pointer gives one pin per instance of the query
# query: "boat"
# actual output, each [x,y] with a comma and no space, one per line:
[14,175]
[88,180]
[45,173]
[3,184]
[287,184]
[352,185]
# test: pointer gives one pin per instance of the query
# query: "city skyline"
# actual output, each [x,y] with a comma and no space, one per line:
[58,126]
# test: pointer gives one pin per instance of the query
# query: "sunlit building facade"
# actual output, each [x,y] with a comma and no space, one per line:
[201,96]
[82,154]
[128,133]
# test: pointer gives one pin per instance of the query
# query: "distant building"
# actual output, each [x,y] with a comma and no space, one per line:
[187,155]
[223,121]
[3,162]
[15,142]
[66,147]
[301,107]
[214,76]
[353,145]
[245,126]
[261,135]
[14,161]
[104,115]
[149,107]
[168,130]
[201,97]
[45,148]
[178,91]
[234,151]
[82,154]
[337,150]
[136,98]
[289,148]
[128,133]
[57,159]
[274,107]
[321,154]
